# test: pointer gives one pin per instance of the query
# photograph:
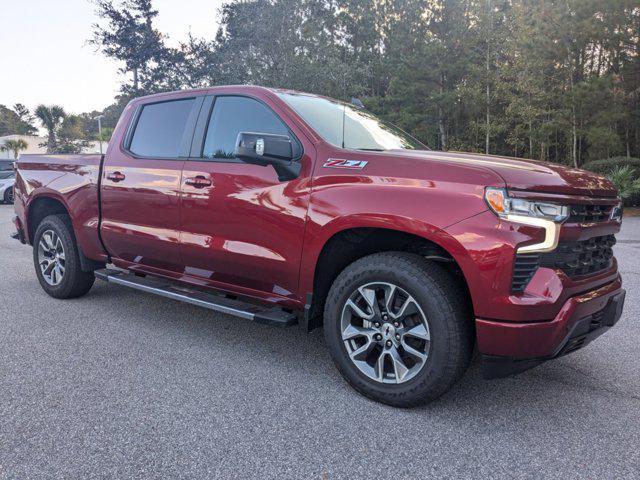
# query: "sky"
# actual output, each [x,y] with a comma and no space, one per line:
[45,58]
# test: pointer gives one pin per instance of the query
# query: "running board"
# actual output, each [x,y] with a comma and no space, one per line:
[266,315]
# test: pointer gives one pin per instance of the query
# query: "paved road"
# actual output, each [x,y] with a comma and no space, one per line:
[119,384]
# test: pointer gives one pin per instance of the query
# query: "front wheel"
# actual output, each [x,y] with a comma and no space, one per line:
[398,328]
[56,259]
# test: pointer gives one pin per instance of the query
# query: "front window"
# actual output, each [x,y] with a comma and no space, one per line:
[343,125]
[232,115]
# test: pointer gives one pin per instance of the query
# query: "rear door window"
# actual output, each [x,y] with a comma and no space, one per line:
[160,128]
[232,115]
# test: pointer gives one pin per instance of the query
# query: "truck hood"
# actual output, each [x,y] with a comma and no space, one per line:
[530,175]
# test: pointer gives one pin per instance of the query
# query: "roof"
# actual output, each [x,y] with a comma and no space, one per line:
[245,88]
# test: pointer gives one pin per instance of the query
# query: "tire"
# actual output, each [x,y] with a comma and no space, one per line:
[441,314]
[67,281]
[8,196]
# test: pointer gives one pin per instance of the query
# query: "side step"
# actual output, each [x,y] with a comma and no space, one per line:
[266,315]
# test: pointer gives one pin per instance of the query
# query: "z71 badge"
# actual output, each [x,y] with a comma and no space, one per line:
[339,163]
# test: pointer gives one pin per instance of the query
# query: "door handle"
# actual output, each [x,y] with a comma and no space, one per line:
[198,181]
[116,176]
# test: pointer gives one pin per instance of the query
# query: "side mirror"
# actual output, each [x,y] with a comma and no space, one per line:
[268,149]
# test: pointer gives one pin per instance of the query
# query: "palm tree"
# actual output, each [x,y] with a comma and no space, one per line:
[50,118]
[14,146]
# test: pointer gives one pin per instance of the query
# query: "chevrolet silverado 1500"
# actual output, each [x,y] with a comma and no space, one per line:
[288,208]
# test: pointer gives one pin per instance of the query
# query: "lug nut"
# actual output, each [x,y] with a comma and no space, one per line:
[396,324]
[385,317]
[378,337]
[389,343]
[377,324]
[397,336]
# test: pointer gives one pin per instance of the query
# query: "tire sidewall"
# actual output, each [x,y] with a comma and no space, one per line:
[5,197]
[72,263]
[430,378]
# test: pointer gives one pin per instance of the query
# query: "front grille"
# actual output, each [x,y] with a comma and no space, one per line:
[590,213]
[575,259]
[581,258]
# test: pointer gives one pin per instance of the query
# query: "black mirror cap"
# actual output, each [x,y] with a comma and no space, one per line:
[269,149]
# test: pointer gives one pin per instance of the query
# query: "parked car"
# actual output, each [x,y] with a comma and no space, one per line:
[7,179]
[283,207]
[6,165]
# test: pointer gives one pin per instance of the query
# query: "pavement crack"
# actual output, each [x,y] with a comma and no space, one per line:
[598,386]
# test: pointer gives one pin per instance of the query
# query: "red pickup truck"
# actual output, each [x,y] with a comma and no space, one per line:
[288,208]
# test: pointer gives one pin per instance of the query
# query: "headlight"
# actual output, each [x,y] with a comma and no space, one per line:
[503,205]
[528,212]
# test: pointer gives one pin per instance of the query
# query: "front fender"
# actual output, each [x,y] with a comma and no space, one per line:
[423,206]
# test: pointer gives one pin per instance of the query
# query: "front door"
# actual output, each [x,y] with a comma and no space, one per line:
[140,192]
[242,228]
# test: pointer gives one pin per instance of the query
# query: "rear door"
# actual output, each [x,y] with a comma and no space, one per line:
[140,192]
[242,228]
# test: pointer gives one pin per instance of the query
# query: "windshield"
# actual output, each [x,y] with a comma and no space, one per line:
[345,126]
[5,175]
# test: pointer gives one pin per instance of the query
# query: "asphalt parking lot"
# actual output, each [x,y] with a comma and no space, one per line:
[119,384]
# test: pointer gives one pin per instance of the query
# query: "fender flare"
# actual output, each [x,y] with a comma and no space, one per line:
[323,234]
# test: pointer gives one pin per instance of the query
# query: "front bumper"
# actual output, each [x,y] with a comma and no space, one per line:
[512,347]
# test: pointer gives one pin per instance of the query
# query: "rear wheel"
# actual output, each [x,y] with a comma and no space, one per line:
[56,259]
[8,195]
[398,328]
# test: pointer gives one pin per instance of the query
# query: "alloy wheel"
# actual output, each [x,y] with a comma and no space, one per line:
[51,257]
[385,332]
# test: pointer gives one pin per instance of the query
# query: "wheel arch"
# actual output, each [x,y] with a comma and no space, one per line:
[350,243]
[41,207]
[44,205]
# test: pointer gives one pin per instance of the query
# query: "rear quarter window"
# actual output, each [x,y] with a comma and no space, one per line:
[159,129]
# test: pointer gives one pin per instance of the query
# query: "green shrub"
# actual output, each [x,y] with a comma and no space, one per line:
[608,165]
[623,172]
[626,181]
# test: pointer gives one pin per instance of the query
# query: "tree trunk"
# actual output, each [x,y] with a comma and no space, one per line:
[442,129]
[135,79]
[441,123]
[487,138]
[574,127]
[626,134]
